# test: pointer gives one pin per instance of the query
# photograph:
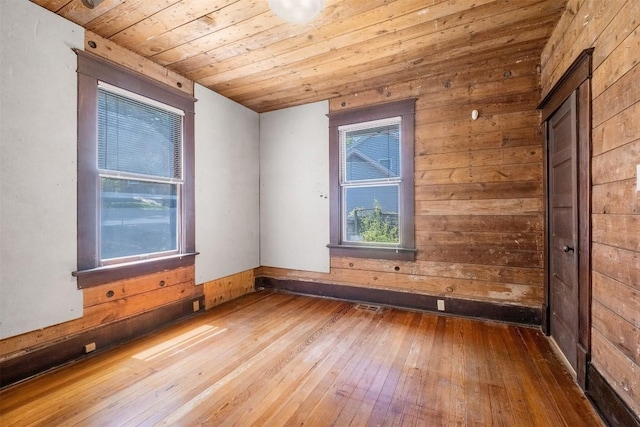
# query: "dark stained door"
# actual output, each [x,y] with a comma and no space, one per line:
[563,228]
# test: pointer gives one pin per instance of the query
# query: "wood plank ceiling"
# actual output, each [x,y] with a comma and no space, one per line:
[241,50]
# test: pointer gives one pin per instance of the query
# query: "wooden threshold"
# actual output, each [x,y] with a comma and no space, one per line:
[271,358]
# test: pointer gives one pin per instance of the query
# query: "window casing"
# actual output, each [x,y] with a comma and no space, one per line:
[135,174]
[371,179]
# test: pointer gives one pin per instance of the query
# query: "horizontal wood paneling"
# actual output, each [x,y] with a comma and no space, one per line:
[616,132]
[623,94]
[466,288]
[517,241]
[411,301]
[438,269]
[620,372]
[588,22]
[522,206]
[131,287]
[482,223]
[484,174]
[618,264]
[478,188]
[618,197]
[617,297]
[227,288]
[613,29]
[479,191]
[495,138]
[500,156]
[616,330]
[130,298]
[618,61]
[614,230]
[71,349]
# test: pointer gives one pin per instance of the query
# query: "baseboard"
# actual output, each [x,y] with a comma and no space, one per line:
[612,408]
[72,349]
[460,307]
[582,362]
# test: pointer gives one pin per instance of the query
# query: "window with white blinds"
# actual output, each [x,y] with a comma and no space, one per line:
[136,176]
[140,170]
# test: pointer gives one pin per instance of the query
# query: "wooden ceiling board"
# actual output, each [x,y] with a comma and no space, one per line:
[124,15]
[240,49]
[283,39]
[389,62]
[378,52]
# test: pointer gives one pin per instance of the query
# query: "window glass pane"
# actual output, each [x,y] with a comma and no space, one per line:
[371,153]
[371,214]
[137,218]
[137,137]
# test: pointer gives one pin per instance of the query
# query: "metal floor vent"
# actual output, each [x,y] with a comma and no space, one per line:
[368,307]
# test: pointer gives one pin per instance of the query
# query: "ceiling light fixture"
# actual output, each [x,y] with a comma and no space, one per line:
[91,3]
[296,11]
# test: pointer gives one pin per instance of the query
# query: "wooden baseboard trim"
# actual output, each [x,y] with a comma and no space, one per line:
[72,349]
[611,407]
[460,307]
[583,355]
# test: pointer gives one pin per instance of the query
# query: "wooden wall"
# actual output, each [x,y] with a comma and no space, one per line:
[613,29]
[227,288]
[478,187]
[110,303]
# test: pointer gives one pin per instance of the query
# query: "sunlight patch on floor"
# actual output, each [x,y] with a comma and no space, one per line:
[180,343]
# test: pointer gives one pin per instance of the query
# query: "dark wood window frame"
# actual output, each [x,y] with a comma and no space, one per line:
[406,251]
[91,70]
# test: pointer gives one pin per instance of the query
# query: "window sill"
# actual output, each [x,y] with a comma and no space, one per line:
[390,253]
[112,273]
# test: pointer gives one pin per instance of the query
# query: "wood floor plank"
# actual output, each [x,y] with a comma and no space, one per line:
[278,359]
[285,374]
[252,364]
[283,400]
[336,397]
[557,381]
[386,359]
[405,402]
[295,415]
[132,399]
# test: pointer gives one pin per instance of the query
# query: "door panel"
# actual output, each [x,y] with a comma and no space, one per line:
[563,228]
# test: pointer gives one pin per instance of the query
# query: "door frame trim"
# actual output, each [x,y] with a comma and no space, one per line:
[576,79]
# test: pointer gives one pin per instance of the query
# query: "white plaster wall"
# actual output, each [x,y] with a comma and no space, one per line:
[227,186]
[294,187]
[37,168]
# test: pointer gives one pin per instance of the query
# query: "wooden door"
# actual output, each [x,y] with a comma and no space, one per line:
[563,228]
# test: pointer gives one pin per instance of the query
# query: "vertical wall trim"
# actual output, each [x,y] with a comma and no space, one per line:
[577,79]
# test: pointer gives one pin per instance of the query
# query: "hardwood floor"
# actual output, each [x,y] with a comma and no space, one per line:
[272,359]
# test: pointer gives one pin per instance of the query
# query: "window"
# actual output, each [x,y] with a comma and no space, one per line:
[135,174]
[372,204]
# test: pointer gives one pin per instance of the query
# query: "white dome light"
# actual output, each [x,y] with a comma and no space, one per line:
[296,11]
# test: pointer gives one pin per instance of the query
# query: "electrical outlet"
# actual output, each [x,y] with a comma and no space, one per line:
[88,348]
[440,305]
[196,305]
